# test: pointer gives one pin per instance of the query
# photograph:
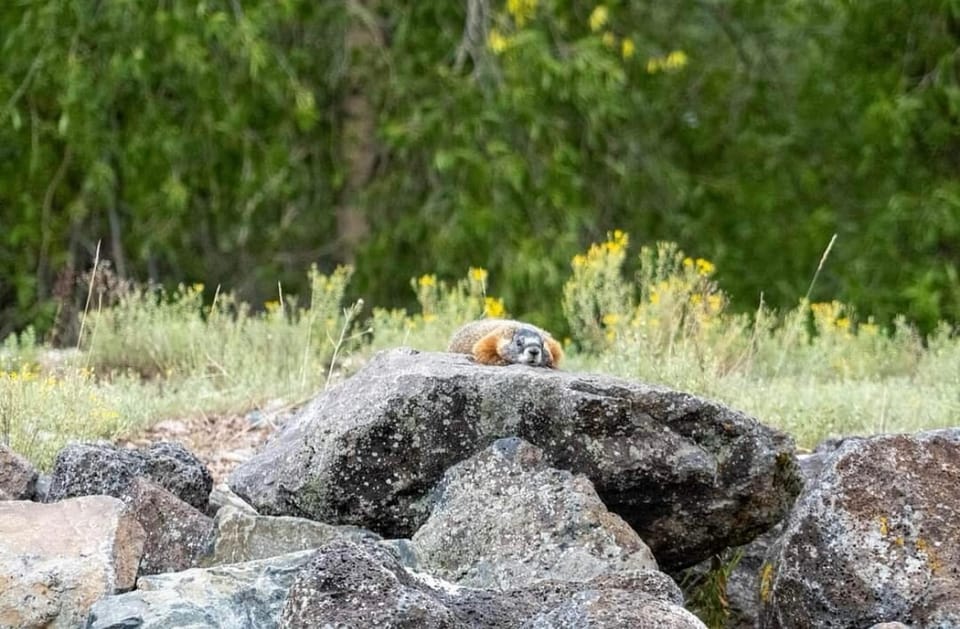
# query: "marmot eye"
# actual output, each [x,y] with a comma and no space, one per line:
[519,341]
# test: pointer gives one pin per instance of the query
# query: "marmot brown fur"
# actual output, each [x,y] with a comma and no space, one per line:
[507,342]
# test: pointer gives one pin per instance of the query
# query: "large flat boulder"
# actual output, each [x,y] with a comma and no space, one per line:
[57,559]
[691,476]
[874,538]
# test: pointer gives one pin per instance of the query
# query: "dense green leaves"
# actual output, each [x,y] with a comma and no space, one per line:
[213,141]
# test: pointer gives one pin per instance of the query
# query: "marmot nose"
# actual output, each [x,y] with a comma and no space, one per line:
[533,352]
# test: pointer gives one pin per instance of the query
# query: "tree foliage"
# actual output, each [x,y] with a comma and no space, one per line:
[207,141]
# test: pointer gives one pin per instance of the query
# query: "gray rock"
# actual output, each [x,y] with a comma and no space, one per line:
[743,581]
[18,477]
[689,475]
[85,469]
[875,538]
[177,534]
[504,519]
[237,596]
[241,536]
[222,496]
[350,584]
[57,559]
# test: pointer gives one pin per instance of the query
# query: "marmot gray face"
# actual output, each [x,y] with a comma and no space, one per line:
[527,347]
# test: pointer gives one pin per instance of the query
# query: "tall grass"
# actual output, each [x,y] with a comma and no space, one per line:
[817,370]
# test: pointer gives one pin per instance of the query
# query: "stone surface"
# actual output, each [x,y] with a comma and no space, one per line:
[504,519]
[18,477]
[242,536]
[177,534]
[57,559]
[85,469]
[221,496]
[689,475]
[743,582]
[349,584]
[874,538]
[246,595]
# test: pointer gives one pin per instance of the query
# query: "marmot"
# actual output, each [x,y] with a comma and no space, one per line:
[506,342]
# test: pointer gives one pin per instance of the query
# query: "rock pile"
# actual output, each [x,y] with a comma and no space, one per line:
[432,492]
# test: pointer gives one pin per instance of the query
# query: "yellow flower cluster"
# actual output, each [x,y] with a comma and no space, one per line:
[676,60]
[704,268]
[522,11]
[615,245]
[831,317]
[598,18]
[493,307]
[427,281]
[497,41]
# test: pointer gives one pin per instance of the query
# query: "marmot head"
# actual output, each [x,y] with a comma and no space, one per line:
[524,345]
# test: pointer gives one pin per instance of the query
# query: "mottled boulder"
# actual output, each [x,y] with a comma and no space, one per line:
[177,534]
[504,519]
[689,475]
[238,596]
[242,536]
[350,584]
[743,581]
[57,559]
[18,477]
[86,469]
[874,538]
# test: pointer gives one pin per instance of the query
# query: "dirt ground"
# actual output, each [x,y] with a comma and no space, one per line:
[222,442]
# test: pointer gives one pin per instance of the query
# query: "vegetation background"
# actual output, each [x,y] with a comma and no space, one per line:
[237,143]
[173,173]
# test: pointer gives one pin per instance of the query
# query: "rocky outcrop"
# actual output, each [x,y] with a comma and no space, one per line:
[503,519]
[87,469]
[56,560]
[689,475]
[18,477]
[875,538]
[177,534]
[348,584]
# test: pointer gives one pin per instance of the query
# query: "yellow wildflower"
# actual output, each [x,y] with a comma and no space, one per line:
[676,60]
[688,263]
[579,260]
[522,10]
[497,42]
[478,274]
[705,267]
[627,48]
[427,280]
[610,319]
[493,307]
[598,18]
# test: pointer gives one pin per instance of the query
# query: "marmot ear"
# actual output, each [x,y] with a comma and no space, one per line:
[556,351]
